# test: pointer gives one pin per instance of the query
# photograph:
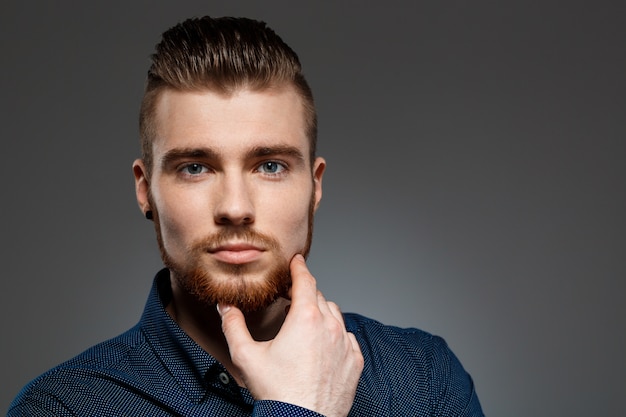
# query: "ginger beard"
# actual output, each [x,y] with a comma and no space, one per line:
[248,295]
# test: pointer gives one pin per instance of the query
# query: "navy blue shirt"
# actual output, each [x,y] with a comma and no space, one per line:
[156,369]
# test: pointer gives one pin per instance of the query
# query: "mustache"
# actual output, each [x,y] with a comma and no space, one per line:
[229,235]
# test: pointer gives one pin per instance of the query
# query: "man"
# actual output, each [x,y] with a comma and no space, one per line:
[234,325]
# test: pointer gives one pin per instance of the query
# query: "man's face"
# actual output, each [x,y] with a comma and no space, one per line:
[232,191]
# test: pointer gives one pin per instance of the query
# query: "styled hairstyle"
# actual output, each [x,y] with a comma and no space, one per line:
[224,55]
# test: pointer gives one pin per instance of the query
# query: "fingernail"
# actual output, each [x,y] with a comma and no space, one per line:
[222,309]
[300,257]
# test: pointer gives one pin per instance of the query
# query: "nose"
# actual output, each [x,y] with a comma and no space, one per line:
[234,204]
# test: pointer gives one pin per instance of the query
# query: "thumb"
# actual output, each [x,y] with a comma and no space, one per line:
[234,326]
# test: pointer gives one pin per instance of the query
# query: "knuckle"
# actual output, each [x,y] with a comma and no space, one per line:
[309,281]
[333,306]
[243,354]
[335,331]
[336,328]
[359,362]
[238,356]
[309,313]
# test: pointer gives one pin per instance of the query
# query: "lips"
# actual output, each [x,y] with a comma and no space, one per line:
[237,253]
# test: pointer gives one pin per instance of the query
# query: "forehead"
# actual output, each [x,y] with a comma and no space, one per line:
[229,122]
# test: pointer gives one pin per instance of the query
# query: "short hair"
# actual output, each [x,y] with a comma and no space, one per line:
[222,54]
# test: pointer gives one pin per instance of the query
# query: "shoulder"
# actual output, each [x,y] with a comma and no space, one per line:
[110,354]
[381,337]
[411,371]
[51,392]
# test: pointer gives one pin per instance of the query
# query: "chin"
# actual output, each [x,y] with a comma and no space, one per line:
[248,292]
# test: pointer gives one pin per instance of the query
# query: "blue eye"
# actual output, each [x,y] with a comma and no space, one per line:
[194,169]
[271,167]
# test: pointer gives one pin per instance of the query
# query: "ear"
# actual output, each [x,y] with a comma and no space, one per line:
[319,166]
[142,186]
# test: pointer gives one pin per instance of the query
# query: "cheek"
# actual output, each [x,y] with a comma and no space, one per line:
[177,217]
[290,224]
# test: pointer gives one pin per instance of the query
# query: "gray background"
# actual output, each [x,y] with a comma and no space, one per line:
[475,186]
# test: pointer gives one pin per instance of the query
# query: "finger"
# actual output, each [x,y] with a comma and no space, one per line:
[234,326]
[335,311]
[322,303]
[329,308]
[303,285]
[354,342]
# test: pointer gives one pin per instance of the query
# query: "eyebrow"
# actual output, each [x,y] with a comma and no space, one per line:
[176,154]
[173,155]
[286,150]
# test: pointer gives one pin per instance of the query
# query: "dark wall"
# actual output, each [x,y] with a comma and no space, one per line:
[475,188]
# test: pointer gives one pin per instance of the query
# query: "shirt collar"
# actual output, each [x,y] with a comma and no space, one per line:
[186,361]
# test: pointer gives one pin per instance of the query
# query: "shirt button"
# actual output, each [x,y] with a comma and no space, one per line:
[224,379]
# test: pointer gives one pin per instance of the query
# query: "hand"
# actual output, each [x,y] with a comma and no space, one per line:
[313,362]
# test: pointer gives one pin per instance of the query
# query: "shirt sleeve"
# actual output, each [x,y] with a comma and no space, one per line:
[452,388]
[267,408]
